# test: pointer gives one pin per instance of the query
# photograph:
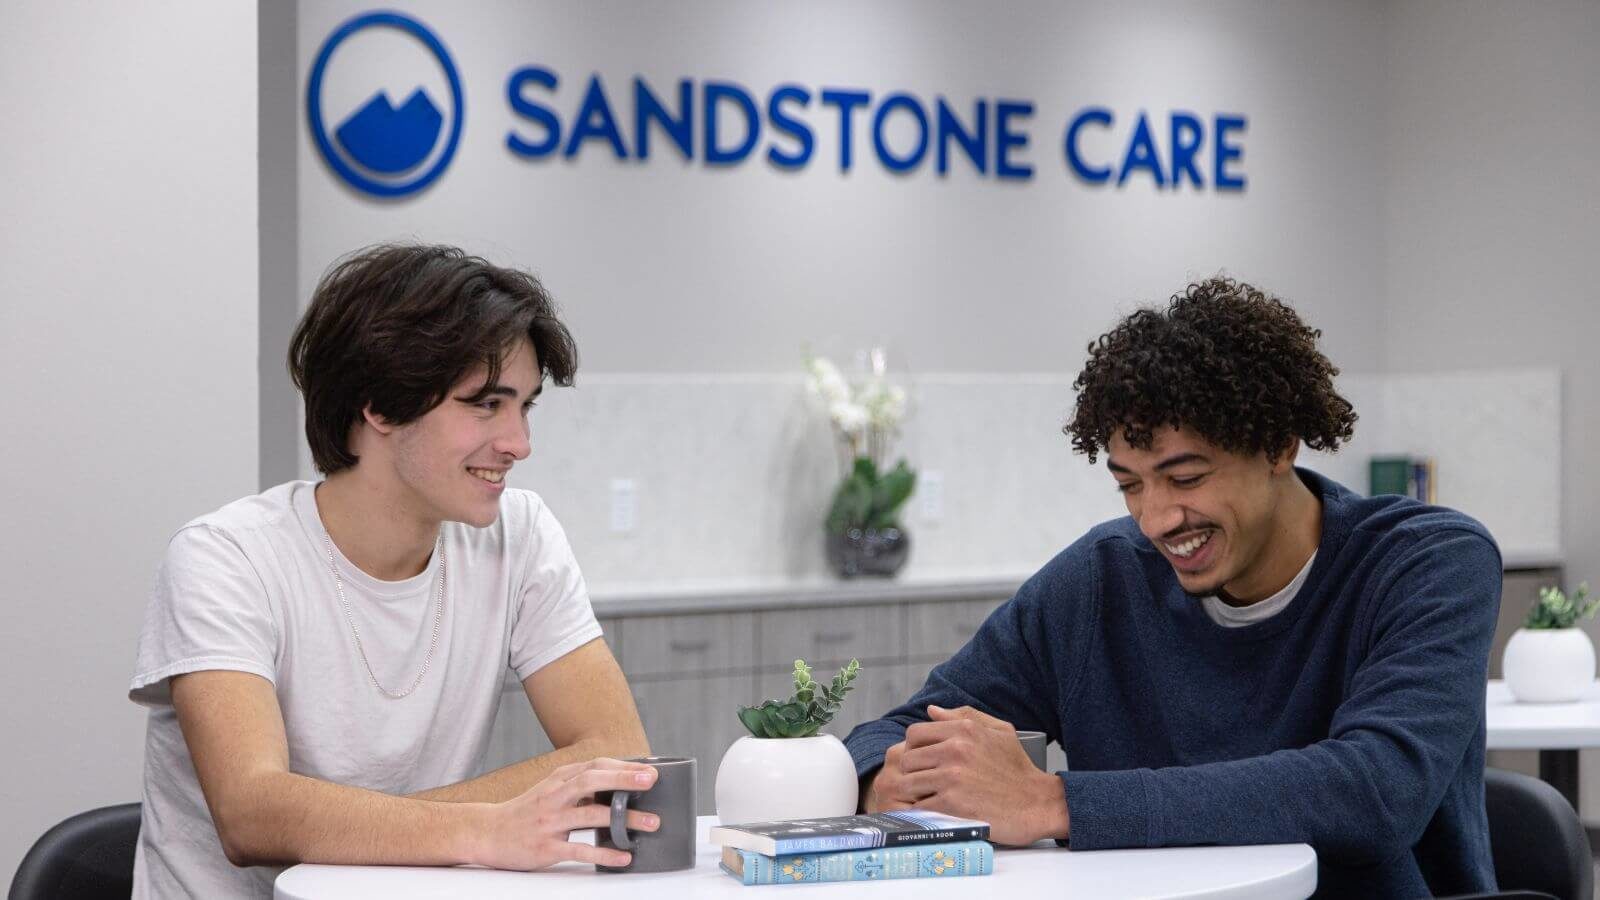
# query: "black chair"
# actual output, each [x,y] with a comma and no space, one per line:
[86,857]
[1540,848]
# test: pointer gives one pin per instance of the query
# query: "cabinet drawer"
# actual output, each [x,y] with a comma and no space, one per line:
[940,629]
[673,645]
[836,634]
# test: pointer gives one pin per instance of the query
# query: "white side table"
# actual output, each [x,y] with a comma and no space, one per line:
[1557,730]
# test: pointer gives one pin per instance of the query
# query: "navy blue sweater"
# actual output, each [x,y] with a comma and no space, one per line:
[1351,721]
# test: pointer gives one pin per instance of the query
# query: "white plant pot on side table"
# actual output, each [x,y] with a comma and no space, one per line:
[1549,665]
[767,779]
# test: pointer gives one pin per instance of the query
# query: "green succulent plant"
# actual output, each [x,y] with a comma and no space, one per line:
[803,714]
[1554,609]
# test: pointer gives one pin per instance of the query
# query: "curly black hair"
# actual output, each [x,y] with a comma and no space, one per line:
[1225,359]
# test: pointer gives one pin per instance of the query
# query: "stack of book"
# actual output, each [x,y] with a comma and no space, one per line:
[903,844]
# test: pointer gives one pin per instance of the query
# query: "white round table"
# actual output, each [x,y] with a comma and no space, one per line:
[1557,730]
[1246,873]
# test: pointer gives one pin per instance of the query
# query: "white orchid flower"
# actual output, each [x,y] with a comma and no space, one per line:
[849,418]
[885,404]
[826,383]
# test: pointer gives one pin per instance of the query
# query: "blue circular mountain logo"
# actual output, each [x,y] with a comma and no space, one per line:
[387,144]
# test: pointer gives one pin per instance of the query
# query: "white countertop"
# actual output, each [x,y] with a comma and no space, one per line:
[725,594]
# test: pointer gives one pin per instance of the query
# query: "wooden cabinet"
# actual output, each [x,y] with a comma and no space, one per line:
[824,636]
[688,644]
[936,630]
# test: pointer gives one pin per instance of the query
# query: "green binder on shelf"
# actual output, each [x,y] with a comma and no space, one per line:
[1408,476]
[1389,475]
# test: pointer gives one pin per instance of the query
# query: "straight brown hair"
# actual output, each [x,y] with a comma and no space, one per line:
[395,326]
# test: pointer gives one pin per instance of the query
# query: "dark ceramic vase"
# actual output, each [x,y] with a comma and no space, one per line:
[868,551]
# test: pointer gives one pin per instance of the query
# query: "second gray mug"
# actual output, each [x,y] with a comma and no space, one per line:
[1033,742]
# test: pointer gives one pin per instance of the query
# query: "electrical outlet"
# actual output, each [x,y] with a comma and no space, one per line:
[624,506]
[930,487]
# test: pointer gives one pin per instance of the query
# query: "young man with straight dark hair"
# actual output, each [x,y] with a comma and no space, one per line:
[1255,654]
[323,661]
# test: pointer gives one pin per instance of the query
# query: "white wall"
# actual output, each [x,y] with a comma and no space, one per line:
[1492,217]
[127,348]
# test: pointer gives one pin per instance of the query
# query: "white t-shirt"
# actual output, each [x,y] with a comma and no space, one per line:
[248,588]
[1260,611]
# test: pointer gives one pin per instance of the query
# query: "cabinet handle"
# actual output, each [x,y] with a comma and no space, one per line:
[688,646]
[832,637]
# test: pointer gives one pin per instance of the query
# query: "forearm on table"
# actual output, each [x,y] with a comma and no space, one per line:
[1357,801]
[507,782]
[282,818]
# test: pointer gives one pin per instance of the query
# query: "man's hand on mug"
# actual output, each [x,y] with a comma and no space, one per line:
[533,829]
[965,763]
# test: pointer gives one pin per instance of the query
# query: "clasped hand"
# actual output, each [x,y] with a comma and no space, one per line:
[968,764]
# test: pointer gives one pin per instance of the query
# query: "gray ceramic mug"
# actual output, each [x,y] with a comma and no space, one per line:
[1033,742]
[671,799]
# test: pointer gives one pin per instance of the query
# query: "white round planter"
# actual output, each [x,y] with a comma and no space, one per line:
[766,779]
[1549,665]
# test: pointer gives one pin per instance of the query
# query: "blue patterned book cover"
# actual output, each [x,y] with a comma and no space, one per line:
[859,832]
[915,861]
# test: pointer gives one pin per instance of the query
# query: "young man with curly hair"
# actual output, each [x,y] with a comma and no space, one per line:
[1255,654]
[323,661]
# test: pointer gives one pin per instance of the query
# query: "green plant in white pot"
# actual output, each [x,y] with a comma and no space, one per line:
[1549,659]
[786,768]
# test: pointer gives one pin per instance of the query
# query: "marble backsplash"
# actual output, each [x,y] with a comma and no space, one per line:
[731,474]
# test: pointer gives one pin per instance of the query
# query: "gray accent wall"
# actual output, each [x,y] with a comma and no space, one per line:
[278,141]
[1491,222]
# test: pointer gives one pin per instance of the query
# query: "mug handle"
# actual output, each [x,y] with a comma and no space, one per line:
[619,820]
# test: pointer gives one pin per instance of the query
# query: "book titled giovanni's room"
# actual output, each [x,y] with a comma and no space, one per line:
[861,832]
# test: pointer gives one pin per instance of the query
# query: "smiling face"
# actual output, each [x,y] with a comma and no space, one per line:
[1225,522]
[452,462]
